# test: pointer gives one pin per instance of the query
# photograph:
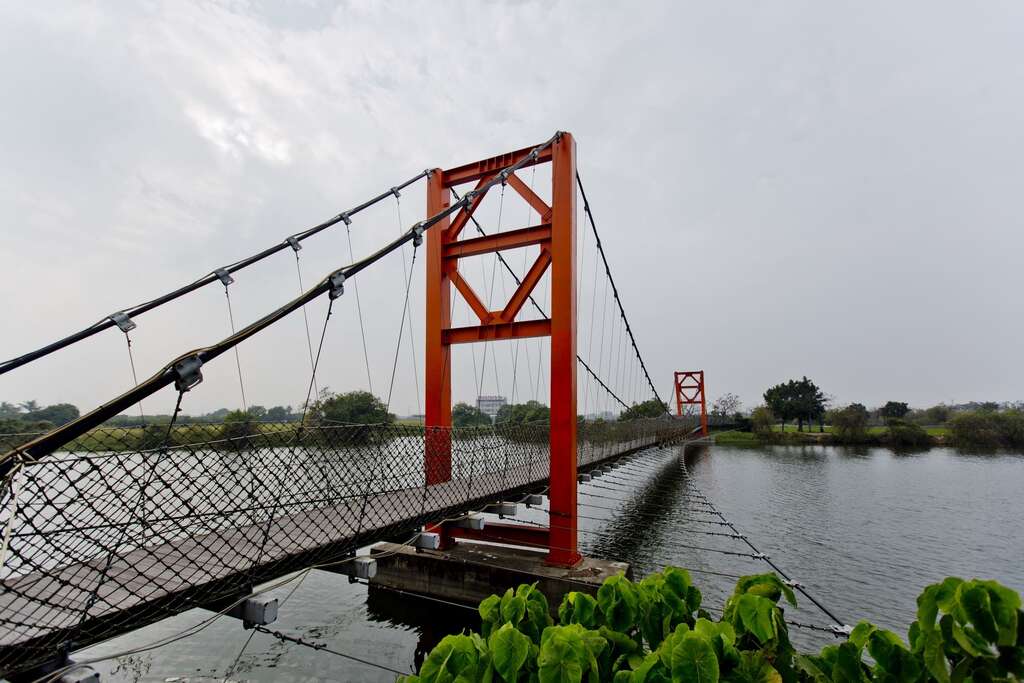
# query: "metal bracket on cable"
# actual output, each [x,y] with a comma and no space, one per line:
[417,235]
[224,276]
[394,191]
[793,584]
[429,172]
[840,629]
[337,285]
[123,322]
[188,373]
[294,243]
[760,556]
[742,537]
[344,218]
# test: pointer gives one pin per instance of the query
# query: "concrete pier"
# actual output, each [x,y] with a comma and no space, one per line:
[469,572]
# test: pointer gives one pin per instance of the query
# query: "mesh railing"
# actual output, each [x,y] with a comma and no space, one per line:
[126,526]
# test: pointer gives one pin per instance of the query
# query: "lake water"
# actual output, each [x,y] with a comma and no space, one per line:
[862,529]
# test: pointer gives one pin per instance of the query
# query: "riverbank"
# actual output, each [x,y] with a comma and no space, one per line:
[898,437]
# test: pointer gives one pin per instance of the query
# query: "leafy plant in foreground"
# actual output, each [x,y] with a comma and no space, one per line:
[655,631]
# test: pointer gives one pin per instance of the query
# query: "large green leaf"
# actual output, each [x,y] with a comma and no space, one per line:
[934,656]
[513,607]
[861,632]
[767,586]
[754,667]
[814,667]
[490,614]
[455,657]
[579,608]
[755,613]
[509,650]
[694,660]
[619,602]
[563,655]
[978,607]
[847,667]
[893,661]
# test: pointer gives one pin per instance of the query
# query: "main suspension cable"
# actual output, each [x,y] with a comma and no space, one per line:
[615,291]
[139,309]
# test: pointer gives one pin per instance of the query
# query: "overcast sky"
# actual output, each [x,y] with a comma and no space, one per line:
[783,188]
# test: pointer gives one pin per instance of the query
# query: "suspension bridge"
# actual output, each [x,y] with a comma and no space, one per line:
[108,529]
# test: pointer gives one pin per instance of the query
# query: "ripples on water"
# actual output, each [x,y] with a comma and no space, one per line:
[863,529]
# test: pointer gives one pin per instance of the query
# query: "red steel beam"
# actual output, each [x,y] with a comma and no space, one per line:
[488,167]
[488,244]
[497,331]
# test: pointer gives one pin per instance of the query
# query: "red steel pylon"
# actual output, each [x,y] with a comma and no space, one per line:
[556,236]
[690,391]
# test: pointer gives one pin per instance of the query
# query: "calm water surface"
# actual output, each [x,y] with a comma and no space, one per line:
[864,530]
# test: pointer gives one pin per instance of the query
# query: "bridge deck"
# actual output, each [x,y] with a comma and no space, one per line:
[80,600]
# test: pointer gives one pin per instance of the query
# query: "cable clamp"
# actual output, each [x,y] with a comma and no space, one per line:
[793,584]
[533,155]
[224,276]
[293,243]
[345,218]
[417,234]
[760,556]
[123,322]
[504,176]
[337,284]
[739,536]
[188,373]
[429,172]
[467,199]
[394,191]
[840,629]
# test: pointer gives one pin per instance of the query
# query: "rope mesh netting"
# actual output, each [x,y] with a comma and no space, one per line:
[126,526]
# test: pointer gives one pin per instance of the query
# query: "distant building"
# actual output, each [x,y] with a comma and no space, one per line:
[490,405]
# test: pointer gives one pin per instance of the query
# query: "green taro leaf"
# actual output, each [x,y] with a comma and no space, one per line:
[893,661]
[861,632]
[619,602]
[754,668]
[509,650]
[847,667]
[563,655]
[755,614]
[513,608]
[490,613]
[767,586]
[693,660]
[978,607]
[455,658]
[579,608]
[814,667]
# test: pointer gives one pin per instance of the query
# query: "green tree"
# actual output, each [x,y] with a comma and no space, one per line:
[780,400]
[353,407]
[849,425]
[649,408]
[761,420]
[465,415]
[58,414]
[9,411]
[279,414]
[521,413]
[29,406]
[894,409]
[257,412]
[237,426]
[726,404]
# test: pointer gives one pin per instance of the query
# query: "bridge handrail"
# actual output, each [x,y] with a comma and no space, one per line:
[182,369]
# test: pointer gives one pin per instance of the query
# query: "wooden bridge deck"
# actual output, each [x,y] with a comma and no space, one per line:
[88,599]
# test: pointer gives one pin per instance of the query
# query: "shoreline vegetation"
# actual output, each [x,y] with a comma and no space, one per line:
[973,430]
[658,630]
